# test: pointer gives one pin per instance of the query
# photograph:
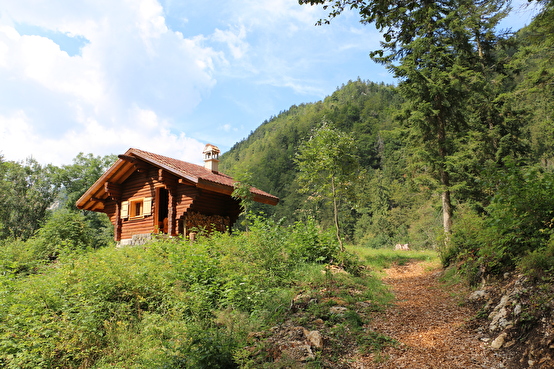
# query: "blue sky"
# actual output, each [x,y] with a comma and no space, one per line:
[168,76]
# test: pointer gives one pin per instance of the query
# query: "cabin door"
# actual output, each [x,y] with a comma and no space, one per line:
[162,206]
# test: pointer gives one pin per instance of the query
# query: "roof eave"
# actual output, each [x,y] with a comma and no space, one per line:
[98,185]
[168,168]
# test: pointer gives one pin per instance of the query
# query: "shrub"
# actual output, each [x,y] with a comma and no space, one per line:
[64,231]
[539,264]
[469,235]
[205,347]
[157,305]
[521,211]
[310,243]
[517,222]
[20,257]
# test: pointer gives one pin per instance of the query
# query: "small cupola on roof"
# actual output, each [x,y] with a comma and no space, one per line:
[211,157]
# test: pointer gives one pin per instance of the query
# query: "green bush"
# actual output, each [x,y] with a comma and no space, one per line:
[310,243]
[62,317]
[469,236]
[65,231]
[20,257]
[539,264]
[168,304]
[516,222]
[206,347]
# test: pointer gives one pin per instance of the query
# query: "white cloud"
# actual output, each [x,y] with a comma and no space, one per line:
[227,128]
[234,39]
[149,133]
[142,72]
[131,78]
[265,14]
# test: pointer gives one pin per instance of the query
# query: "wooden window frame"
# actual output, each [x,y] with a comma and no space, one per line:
[133,203]
[143,203]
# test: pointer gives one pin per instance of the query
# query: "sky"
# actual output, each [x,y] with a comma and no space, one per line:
[168,76]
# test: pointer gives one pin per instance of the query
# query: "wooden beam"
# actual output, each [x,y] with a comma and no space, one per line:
[265,199]
[186,182]
[118,226]
[169,180]
[96,199]
[140,166]
[113,190]
[215,187]
[172,213]
[227,190]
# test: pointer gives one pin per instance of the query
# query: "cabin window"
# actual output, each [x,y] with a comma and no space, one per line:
[136,208]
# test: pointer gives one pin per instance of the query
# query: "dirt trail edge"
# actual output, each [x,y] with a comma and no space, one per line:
[429,324]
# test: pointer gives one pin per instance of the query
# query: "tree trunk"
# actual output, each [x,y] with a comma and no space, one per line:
[336,214]
[446,213]
[444,178]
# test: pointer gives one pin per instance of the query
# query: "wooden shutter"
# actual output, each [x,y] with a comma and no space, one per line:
[147,206]
[124,209]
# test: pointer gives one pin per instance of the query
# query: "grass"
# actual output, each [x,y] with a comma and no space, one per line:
[379,259]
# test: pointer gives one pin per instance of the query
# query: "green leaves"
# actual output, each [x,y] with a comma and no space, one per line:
[27,190]
[328,154]
[329,166]
[156,305]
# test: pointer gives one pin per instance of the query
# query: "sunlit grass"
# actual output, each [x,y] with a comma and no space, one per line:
[379,259]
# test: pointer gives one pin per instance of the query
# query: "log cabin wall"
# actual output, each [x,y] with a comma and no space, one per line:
[111,211]
[205,207]
[139,186]
[186,195]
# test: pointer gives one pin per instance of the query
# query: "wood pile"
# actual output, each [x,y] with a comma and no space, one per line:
[197,222]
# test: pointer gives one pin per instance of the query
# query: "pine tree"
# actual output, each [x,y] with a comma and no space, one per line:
[442,54]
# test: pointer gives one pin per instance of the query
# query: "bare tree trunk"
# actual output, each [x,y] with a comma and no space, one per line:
[336,214]
[444,179]
[446,213]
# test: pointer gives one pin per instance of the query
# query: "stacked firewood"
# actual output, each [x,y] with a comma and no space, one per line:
[197,222]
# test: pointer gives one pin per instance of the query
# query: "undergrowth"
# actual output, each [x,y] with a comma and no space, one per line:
[173,304]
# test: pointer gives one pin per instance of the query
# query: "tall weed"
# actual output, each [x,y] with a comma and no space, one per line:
[169,303]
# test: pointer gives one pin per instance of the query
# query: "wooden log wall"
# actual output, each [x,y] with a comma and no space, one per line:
[139,185]
[186,196]
[195,208]
[215,203]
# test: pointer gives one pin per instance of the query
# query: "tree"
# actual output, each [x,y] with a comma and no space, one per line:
[27,191]
[534,72]
[442,53]
[76,178]
[328,165]
[242,192]
[79,176]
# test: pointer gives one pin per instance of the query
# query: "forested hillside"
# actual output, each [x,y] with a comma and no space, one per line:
[506,132]
[364,109]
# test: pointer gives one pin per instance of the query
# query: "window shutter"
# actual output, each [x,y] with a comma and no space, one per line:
[147,206]
[124,209]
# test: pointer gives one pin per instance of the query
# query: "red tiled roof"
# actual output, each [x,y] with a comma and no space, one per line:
[189,171]
[197,174]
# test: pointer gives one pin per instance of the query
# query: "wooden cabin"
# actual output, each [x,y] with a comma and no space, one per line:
[144,193]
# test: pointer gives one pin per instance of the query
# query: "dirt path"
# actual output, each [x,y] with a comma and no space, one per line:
[430,325]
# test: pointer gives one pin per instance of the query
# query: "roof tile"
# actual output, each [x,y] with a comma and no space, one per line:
[187,170]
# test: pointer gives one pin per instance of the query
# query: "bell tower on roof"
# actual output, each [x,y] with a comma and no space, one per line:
[211,157]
